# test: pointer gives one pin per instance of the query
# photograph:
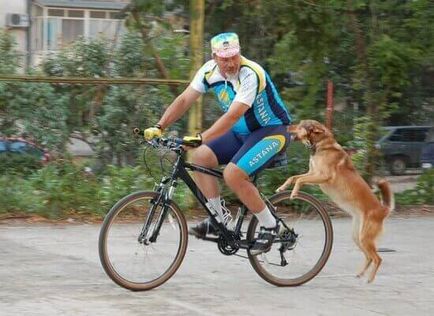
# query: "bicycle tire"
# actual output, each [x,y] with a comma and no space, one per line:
[105,254]
[262,266]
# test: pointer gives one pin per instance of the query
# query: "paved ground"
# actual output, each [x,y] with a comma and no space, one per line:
[402,183]
[55,270]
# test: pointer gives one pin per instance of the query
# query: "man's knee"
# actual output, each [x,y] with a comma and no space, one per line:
[234,175]
[204,156]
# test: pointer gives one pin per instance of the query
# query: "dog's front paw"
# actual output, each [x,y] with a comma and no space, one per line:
[281,188]
[285,185]
[293,195]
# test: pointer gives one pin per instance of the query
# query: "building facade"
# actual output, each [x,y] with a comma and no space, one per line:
[41,27]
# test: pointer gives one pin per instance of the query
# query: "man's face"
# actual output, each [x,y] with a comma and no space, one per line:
[229,66]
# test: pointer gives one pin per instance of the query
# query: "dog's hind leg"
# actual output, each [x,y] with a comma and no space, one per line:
[369,233]
[356,226]
[356,231]
[357,235]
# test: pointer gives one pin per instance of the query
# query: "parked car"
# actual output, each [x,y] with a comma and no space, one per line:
[21,146]
[427,152]
[401,146]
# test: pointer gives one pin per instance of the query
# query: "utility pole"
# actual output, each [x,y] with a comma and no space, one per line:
[197,19]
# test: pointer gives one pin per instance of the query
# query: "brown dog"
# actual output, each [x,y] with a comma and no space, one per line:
[331,168]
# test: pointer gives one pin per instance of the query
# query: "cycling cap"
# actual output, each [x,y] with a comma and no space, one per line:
[225,45]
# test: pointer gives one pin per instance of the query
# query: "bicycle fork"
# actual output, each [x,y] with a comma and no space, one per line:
[161,201]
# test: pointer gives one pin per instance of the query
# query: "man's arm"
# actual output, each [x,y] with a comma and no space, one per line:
[178,107]
[225,122]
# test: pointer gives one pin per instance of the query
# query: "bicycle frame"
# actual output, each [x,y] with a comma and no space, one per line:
[167,187]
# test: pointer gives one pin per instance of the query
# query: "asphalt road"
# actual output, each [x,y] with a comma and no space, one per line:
[55,270]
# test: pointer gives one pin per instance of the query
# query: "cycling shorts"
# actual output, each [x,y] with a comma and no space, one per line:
[252,152]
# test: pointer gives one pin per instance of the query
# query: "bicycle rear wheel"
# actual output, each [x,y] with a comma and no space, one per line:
[303,246]
[136,265]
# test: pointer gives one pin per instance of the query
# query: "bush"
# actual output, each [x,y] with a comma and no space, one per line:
[423,193]
[23,165]
[118,182]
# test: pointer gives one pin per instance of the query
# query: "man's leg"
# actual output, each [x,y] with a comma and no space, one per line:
[239,182]
[258,150]
[205,157]
[217,152]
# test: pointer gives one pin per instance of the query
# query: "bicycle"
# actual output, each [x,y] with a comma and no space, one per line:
[143,238]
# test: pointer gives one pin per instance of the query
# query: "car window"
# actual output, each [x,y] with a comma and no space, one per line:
[2,146]
[430,135]
[409,135]
[34,151]
[17,146]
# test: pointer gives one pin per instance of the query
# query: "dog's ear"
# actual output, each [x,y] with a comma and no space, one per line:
[318,129]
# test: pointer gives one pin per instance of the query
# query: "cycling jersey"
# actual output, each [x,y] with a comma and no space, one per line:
[252,86]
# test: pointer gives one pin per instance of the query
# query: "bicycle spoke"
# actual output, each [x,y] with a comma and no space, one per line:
[303,245]
[141,263]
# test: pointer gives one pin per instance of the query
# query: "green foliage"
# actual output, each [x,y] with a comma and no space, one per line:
[83,58]
[365,134]
[41,111]
[34,109]
[130,59]
[18,195]
[15,164]
[62,187]
[8,54]
[107,115]
[423,193]
[118,182]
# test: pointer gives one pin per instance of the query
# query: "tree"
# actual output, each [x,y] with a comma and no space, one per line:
[36,110]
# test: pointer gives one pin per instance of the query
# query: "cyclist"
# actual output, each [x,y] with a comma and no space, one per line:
[246,137]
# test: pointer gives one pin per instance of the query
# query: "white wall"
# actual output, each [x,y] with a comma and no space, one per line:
[14,6]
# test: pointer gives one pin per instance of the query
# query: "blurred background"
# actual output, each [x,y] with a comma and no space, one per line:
[77,76]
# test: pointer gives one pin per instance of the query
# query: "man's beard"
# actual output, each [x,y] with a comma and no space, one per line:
[232,75]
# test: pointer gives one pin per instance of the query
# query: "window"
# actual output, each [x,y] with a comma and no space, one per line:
[430,135]
[105,28]
[115,15]
[420,134]
[75,13]
[2,146]
[97,14]
[61,26]
[19,147]
[34,151]
[72,30]
[56,12]
[53,33]
[409,135]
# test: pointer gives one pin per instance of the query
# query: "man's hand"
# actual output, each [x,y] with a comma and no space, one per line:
[152,132]
[192,141]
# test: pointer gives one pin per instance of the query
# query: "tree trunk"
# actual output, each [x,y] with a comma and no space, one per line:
[196,39]
[368,94]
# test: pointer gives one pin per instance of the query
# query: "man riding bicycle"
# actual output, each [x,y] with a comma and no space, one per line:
[246,138]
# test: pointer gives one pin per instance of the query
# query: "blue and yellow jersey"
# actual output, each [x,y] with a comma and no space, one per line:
[252,86]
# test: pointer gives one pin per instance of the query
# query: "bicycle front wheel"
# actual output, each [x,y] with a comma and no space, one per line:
[129,254]
[303,245]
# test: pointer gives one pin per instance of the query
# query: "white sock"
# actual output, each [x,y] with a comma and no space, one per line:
[265,218]
[217,206]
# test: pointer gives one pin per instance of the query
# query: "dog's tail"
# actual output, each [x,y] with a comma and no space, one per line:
[386,194]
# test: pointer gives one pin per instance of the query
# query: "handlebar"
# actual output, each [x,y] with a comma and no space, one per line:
[173,143]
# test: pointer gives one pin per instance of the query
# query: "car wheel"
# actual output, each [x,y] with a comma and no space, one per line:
[397,166]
